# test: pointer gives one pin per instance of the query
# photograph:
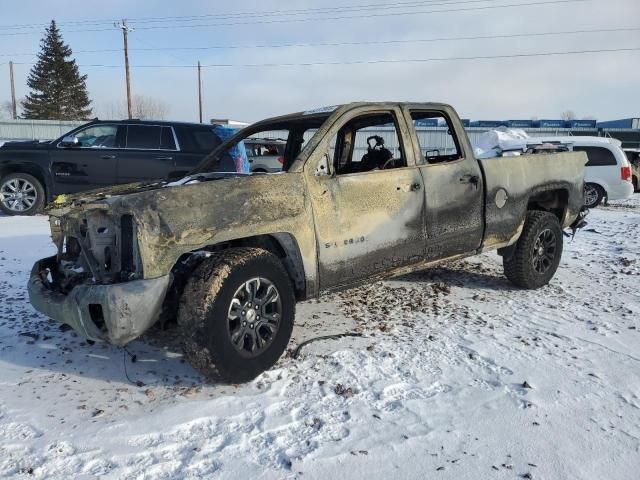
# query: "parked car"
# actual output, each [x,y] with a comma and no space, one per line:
[229,255]
[608,172]
[5,140]
[98,154]
[265,154]
[633,155]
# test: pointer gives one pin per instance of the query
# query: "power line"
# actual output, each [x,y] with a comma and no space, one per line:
[372,15]
[366,62]
[320,10]
[352,17]
[250,14]
[356,43]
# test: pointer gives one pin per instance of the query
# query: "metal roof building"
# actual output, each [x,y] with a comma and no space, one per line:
[626,130]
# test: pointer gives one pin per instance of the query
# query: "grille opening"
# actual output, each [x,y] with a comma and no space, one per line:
[71,247]
[97,316]
[126,244]
[107,258]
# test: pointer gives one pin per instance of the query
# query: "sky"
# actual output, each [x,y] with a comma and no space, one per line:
[604,85]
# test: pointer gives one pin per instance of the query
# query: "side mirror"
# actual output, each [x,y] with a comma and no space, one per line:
[322,168]
[70,141]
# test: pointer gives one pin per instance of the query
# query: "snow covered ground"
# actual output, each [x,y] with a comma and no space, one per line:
[457,375]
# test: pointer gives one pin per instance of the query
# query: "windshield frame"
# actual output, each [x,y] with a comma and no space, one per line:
[286,122]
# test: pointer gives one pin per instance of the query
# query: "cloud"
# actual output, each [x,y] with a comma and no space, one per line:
[603,85]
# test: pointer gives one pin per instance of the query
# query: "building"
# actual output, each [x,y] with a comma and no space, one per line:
[626,130]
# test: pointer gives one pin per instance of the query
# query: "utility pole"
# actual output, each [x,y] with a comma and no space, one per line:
[200,90]
[125,31]
[14,110]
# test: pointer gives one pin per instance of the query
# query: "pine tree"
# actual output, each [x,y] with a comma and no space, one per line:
[58,91]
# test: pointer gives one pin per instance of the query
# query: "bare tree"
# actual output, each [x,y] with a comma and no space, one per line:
[149,108]
[568,115]
[112,110]
[6,109]
[142,107]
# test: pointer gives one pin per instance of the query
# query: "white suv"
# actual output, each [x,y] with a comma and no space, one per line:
[607,173]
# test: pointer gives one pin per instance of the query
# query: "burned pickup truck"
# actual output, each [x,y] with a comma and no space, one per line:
[362,196]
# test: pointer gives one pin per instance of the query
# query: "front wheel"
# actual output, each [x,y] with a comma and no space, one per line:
[236,314]
[21,194]
[536,255]
[593,195]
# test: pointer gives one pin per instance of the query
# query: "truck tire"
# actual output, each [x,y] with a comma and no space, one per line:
[536,255]
[593,195]
[21,194]
[236,314]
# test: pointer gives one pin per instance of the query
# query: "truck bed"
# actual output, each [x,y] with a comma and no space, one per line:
[517,179]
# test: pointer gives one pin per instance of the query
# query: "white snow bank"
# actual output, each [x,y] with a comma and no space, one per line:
[434,388]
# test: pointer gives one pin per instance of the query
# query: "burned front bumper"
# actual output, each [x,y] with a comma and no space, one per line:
[116,313]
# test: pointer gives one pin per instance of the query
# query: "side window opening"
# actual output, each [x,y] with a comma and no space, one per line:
[99,136]
[167,140]
[436,137]
[597,156]
[146,137]
[369,142]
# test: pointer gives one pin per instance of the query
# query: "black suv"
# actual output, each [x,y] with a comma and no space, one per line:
[96,154]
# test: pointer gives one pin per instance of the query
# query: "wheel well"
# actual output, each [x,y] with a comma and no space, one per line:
[597,185]
[282,245]
[32,170]
[554,201]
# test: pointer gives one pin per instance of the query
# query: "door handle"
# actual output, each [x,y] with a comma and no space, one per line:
[108,157]
[164,158]
[414,187]
[473,179]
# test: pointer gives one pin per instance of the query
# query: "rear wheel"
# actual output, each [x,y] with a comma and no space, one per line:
[593,195]
[21,194]
[536,255]
[236,314]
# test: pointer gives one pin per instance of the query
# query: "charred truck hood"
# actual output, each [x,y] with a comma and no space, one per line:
[116,247]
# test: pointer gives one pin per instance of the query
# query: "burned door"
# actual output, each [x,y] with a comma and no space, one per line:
[368,210]
[454,217]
